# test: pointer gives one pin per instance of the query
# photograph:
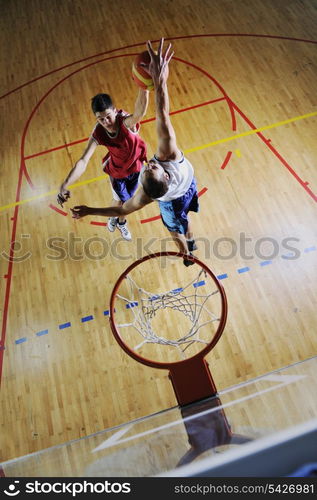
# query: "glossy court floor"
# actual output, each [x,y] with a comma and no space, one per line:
[188,440]
[243,101]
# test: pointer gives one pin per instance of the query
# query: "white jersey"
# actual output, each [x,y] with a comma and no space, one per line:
[181,174]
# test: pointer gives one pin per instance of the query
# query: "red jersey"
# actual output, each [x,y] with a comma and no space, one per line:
[127,151]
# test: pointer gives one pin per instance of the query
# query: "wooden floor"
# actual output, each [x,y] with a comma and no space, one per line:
[243,87]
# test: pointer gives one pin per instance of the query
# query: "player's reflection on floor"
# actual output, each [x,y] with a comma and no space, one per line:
[207,430]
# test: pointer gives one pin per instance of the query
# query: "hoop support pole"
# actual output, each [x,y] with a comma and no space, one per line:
[192,381]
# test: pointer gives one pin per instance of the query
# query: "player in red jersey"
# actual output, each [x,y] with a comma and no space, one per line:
[117,130]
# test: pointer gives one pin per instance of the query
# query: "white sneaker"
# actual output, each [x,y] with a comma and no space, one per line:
[112,224]
[125,233]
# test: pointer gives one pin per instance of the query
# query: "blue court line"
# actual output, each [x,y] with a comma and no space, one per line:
[288,256]
[65,325]
[265,263]
[20,341]
[107,312]
[154,297]
[132,304]
[243,269]
[87,318]
[42,332]
[222,276]
[199,283]
[310,249]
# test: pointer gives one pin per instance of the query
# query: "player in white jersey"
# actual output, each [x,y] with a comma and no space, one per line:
[168,177]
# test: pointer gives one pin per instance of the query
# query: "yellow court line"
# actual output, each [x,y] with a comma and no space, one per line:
[50,193]
[191,150]
[250,132]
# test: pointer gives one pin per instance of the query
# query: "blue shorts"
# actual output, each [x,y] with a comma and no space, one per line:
[174,213]
[126,187]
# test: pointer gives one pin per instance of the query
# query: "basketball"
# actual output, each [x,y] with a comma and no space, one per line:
[139,75]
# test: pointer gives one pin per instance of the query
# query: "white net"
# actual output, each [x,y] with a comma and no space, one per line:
[190,300]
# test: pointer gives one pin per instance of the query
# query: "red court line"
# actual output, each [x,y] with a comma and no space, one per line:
[98,223]
[56,148]
[233,116]
[202,191]
[58,210]
[157,217]
[9,272]
[227,158]
[277,154]
[142,122]
[189,107]
[304,184]
[150,219]
[205,35]
[28,178]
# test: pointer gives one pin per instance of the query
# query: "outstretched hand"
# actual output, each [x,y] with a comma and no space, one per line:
[158,66]
[80,211]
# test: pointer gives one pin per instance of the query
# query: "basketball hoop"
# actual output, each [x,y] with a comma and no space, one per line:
[168,316]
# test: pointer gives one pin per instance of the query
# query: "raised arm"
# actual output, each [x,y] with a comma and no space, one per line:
[158,68]
[78,169]
[138,201]
[140,108]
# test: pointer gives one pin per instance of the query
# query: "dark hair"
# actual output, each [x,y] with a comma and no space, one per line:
[154,188]
[100,102]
